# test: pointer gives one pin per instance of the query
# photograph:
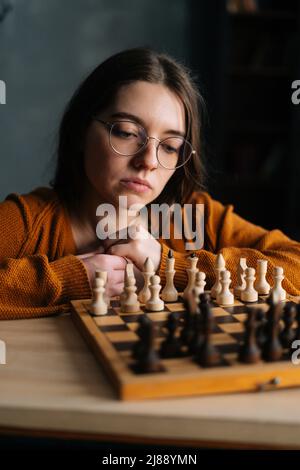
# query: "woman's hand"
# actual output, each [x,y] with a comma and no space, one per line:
[136,249]
[113,265]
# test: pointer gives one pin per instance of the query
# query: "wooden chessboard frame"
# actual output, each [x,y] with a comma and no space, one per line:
[183,378]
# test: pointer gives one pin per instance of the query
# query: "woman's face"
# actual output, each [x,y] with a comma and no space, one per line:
[110,175]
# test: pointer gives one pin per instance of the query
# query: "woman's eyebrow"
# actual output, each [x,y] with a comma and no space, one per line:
[132,117]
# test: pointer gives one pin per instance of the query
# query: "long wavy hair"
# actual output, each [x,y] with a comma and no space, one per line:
[98,91]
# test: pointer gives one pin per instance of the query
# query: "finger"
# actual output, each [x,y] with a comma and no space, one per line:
[112,262]
[122,250]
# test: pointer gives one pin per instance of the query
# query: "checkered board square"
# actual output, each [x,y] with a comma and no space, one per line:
[113,336]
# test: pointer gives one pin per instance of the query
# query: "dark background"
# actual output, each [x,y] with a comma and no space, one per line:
[245,55]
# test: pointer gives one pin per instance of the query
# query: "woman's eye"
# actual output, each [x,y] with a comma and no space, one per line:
[124,134]
[170,149]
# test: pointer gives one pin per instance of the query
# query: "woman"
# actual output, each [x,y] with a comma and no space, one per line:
[133,128]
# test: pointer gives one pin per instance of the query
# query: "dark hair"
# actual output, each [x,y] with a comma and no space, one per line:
[97,92]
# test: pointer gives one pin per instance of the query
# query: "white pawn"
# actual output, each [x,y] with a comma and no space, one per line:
[191,271]
[225,297]
[249,294]
[278,278]
[99,306]
[148,271]
[131,303]
[261,284]
[219,266]
[242,266]
[155,304]
[102,275]
[199,285]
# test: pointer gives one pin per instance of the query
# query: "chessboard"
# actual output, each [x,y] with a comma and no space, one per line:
[113,336]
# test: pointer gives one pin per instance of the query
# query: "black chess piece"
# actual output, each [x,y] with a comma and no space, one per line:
[249,351]
[207,355]
[147,358]
[190,309]
[171,346]
[261,327]
[288,334]
[272,349]
[138,349]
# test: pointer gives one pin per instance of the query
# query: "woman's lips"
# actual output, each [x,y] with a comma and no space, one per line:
[137,187]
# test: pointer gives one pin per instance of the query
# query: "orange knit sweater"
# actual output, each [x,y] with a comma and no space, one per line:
[39,273]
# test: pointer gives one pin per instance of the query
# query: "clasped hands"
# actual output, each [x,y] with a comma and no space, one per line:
[114,253]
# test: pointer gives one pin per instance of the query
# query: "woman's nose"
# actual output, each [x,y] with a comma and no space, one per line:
[147,157]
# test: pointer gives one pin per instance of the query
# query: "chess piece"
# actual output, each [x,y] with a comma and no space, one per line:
[99,306]
[199,284]
[225,297]
[127,273]
[261,327]
[278,278]
[102,275]
[261,285]
[207,354]
[131,303]
[288,334]
[272,349]
[139,347]
[219,266]
[249,352]
[147,358]
[191,271]
[148,271]
[169,292]
[242,266]
[171,346]
[249,294]
[190,310]
[155,304]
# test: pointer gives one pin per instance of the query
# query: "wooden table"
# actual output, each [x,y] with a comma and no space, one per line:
[51,385]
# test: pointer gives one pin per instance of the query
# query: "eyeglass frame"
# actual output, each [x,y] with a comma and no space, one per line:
[110,126]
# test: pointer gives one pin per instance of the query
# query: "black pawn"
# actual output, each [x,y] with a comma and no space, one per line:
[249,352]
[272,349]
[261,333]
[288,334]
[190,309]
[207,354]
[148,361]
[139,348]
[171,346]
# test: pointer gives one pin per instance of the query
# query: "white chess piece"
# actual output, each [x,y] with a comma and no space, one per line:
[278,277]
[148,271]
[102,275]
[249,294]
[199,285]
[242,266]
[127,273]
[169,292]
[225,297]
[219,266]
[131,303]
[155,304]
[261,284]
[191,271]
[99,306]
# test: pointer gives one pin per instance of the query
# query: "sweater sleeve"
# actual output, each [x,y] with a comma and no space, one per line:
[33,286]
[234,237]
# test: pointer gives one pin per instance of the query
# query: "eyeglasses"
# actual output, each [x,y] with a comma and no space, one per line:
[127,138]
